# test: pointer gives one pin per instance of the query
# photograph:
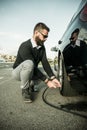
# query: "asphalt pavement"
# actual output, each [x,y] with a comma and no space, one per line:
[15,114]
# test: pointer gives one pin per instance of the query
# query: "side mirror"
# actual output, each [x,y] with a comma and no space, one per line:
[59,42]
[54,49]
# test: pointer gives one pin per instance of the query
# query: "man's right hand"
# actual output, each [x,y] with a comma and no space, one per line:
[53,84]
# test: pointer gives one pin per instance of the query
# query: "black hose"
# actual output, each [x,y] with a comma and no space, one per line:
[60,106]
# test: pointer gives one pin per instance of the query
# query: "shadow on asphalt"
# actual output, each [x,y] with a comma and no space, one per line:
[78,106]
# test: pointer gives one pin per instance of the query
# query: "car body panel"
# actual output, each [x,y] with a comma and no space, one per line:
[79,20]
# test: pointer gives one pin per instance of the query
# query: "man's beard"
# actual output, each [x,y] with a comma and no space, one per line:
[39,42]
[73,42]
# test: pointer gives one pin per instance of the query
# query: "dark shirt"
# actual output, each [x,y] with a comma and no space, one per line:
[75,55]
[27,52]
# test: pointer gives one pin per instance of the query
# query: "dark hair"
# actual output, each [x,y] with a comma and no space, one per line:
[75,31]
[40,26]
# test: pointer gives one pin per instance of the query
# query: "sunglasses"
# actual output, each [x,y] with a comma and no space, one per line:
[45,36]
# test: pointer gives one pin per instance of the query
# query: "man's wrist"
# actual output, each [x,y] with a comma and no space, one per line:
[52,77]
[46,81]
[49,79]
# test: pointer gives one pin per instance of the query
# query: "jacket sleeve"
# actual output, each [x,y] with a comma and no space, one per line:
[39,74]
[46,65]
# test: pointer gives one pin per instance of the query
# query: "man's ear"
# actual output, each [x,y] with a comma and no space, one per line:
[36,32]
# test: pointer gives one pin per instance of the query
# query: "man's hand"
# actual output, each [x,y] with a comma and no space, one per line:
[53,83]
[57,83]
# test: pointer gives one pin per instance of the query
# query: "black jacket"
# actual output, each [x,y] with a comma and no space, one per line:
[26,51]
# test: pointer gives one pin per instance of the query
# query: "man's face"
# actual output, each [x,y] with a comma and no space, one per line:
[41,37]
[74,37]
[39,41]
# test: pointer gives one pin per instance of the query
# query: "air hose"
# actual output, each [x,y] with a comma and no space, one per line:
[60,107]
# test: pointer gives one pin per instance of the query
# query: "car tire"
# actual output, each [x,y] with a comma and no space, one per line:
[66,89]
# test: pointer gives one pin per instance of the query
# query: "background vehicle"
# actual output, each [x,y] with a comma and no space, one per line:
[2,60]
[71,86]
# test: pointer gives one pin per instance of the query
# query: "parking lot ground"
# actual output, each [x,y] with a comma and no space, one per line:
[17,115]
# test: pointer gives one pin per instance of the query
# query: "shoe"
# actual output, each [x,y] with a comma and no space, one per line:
[33,87]
[26,95]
